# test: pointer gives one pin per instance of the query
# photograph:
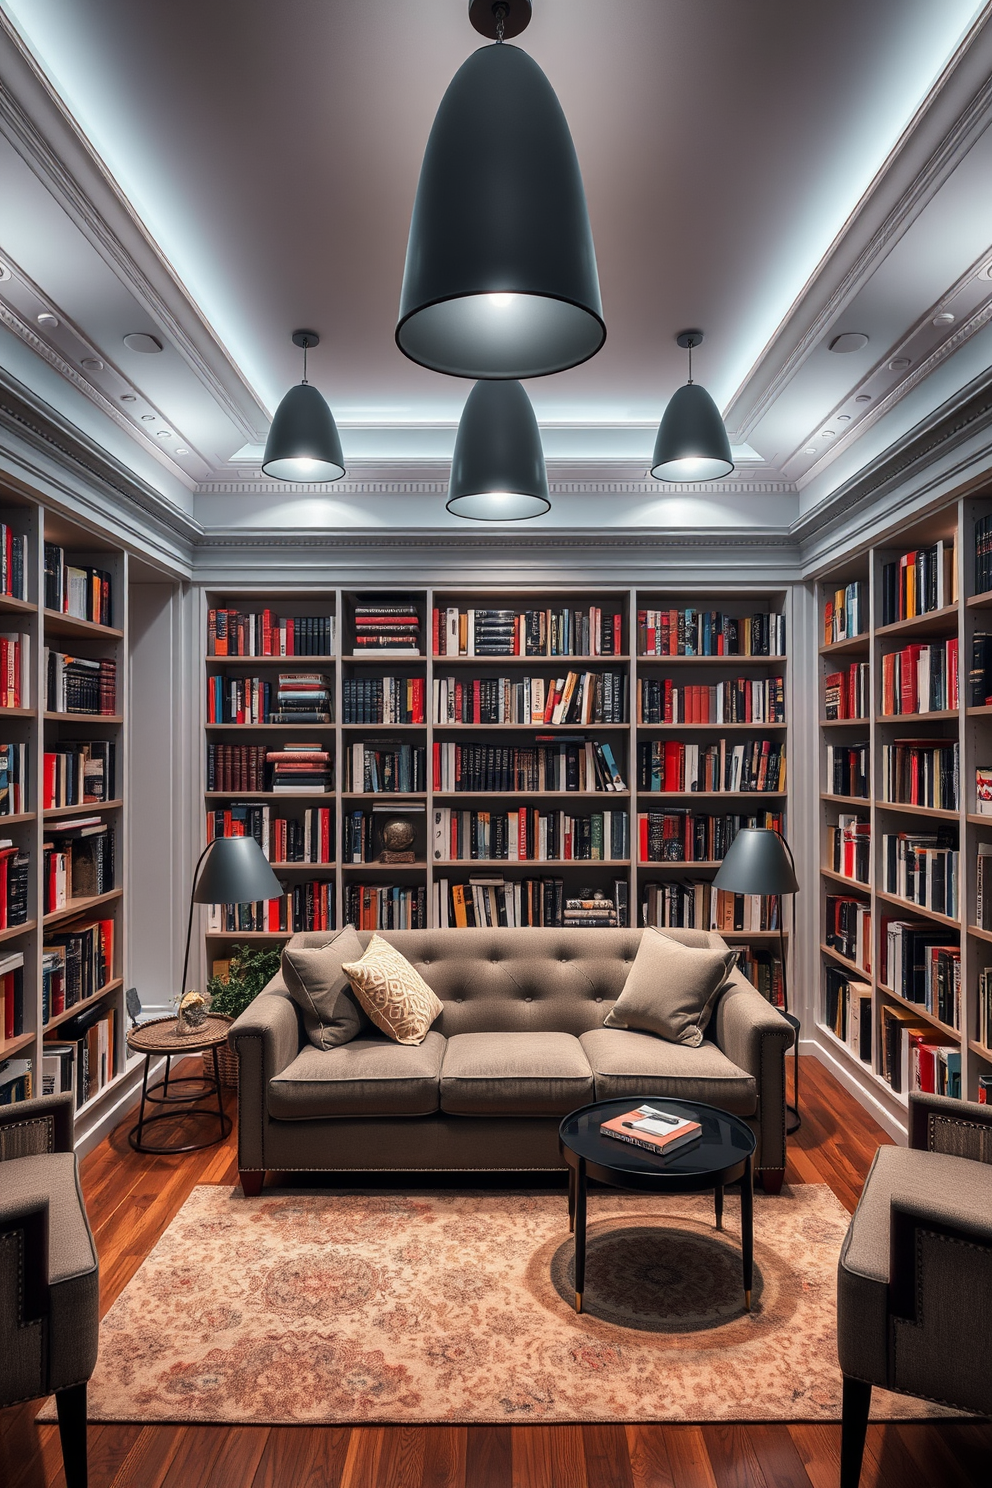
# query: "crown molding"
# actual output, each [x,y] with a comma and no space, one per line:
[950,119]
[44,133]
[397,485]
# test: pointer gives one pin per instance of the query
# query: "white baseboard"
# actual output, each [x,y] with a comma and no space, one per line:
[94,1126]
[886,1118]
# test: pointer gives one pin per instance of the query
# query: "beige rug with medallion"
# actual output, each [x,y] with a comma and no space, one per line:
[441,1307]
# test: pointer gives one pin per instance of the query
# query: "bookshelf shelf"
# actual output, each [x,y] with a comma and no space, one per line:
[938,622]
[88,718]
[850,646]
[935,811]
[983,712]
[985,935]
[11,606]
[532,865]
[981,1050]
[903,718]
[920,1011]
[14,930]
[254,935]
[844,882]
[278,867]
[60,624]
[294,663]
[393,728]
[723,661]
[600,797]
[831,723]
[84,1002]
[236,795]
[567,729]
[857,801]
[978,819]
[862,1065]
[89,808]
[858,972]
[916,910]
[17,816]
[980,601]
[708,728]
[681,864]
[82,906]
[9,1047]
[269,728]
[711,795]
[421,864]
[18,713]
[408,658]
[388,798]
[565,663]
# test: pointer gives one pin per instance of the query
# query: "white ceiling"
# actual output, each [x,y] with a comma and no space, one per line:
[218,173]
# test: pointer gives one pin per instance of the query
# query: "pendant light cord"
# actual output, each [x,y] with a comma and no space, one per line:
[306,343]
[499,12]
[690,360]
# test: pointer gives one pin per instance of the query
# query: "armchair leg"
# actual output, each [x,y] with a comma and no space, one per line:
[772,1179]
[251,1183]
[71,1405]
[854,1425]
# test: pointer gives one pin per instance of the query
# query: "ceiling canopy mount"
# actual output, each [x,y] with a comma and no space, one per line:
[486,16]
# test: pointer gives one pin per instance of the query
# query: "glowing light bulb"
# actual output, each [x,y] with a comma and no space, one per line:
[501,300]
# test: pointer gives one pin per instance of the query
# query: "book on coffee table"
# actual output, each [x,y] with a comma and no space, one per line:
[654,1129]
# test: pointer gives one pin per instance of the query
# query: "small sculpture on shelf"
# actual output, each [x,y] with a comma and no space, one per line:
[192,1014]
[398,834]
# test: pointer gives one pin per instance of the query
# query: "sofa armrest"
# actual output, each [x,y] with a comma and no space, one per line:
[753,1033]
[31,1127]
[266,1039]
[955,1127]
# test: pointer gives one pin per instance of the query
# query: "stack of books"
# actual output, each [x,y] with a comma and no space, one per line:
[388,629]
[848,929]
[382,906]
[922,967]
[922,772]
[576,698]
[574,764]
[591,911]
[303,697]
[299,768]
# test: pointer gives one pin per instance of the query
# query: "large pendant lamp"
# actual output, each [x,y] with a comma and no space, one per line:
[303,442]
[692,443]
[498,472]
[500,278]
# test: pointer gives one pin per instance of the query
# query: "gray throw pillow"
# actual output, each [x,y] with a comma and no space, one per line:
[671,989]
[322,991]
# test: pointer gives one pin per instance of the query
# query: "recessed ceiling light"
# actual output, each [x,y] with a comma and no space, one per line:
[987,271]
[849,341]
[899,364]
[165,433]
[46,318]
[128,398]
[141,341]
[182,451]
[810,449]
[828,433]
[843,418]
[944,318]
[92,364]
[147,418]
[4,271]
[863,398]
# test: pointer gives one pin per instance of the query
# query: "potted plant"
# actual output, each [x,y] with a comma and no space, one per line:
[249,970]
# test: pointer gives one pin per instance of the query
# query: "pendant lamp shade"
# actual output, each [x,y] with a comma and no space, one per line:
[500,278]
[235,871]
[758,861]
[692,443]
[498,472]
[303,442]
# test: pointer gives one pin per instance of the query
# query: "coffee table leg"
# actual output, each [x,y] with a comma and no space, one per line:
[718,1205]
[747,1231]
[571,1200]
[580,1233]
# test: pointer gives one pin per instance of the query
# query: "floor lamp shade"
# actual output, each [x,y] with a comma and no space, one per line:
[235,871]
[303,442]
[757,862]
[498,472]
[692,443]
[500,278]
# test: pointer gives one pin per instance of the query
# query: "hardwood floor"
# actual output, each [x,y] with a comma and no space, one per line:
[132,1198]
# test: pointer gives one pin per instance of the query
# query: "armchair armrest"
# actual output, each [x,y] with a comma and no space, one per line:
[25,1223]
[956,1127]
[266,1038]
[753,1033]
[30,1127]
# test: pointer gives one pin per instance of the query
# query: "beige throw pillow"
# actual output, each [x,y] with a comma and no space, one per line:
[319,986]
[393,993]
[671,989]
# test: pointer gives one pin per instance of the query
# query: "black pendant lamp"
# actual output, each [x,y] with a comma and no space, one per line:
[500,278]
[303,442]
[498,472]
[692,443]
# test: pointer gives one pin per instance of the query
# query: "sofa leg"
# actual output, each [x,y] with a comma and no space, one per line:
[251,1183]
[854,1425]
[772,1179]
[71,1406]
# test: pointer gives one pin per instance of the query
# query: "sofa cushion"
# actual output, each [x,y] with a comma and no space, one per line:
[371,1076]
[318,984]
[671,988]
[514,1074]
[393,992]
[629,1063]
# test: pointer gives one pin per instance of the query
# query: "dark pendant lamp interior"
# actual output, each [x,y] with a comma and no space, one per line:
[498,472]
[303,442]
[500,278]
[692,443]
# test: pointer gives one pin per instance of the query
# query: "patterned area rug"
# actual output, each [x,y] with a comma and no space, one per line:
[379,1307]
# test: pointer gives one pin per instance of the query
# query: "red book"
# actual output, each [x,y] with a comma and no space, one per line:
[674,765]
[642,837]
[652,1135]
[266,632]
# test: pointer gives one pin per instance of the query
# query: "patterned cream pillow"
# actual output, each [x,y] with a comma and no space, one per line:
[393,993]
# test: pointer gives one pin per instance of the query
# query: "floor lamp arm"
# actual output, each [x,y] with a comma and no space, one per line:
[189,926]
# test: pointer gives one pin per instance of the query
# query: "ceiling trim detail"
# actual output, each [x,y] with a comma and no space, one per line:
[440,488]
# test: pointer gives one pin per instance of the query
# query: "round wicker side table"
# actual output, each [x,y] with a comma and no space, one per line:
[159,1036]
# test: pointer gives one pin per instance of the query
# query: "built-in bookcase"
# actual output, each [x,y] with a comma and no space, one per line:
[911,707]
[43,724]
[592,632]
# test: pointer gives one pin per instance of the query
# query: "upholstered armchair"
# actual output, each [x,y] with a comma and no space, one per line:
[49,1281]
[914,1292]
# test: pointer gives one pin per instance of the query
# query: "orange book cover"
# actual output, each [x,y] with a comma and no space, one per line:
[653,1129]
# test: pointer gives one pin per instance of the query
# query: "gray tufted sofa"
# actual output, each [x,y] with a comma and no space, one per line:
[520,1043]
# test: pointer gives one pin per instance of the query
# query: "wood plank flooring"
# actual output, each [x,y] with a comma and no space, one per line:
[132,1198]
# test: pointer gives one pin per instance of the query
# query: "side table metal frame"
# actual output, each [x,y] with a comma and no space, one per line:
[148,1095]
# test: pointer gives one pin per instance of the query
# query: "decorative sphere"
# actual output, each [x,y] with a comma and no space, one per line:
[398,834]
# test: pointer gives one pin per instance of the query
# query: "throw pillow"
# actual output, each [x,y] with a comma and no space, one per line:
[319,985]
[393,992]
[671,989]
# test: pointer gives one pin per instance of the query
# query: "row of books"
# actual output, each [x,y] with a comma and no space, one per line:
[923,867]
[921,965]
[77,962]
[845,612]
[13,563]
[529,835]
[304,906]
[13,778]
[387,767]
[528,901]
[282,839]
[687,904]
[81,1055]
[562,765]
[922,580]
[78,862]
[387,628]
[983,887]
[672,765]
[762,967]
[80,684]
[235,633]
[381,906]
[383,700]
[847,928]
[740,700]
[15,670]
[16,1081]
[921,678]
[849,848]
[692,632]
[577,698]
[980,673]
[252,767]
[922,772]
[915,1055]
[847,694]
[79,773]
[77,589]
[680,835]
[297,768]
[983,555]
[15,867]
[985,1009]
[12,995]
[849,769]
[511,632]
[297,697]
[847,1011]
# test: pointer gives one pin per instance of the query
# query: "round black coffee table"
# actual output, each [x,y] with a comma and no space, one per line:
[720,1157]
